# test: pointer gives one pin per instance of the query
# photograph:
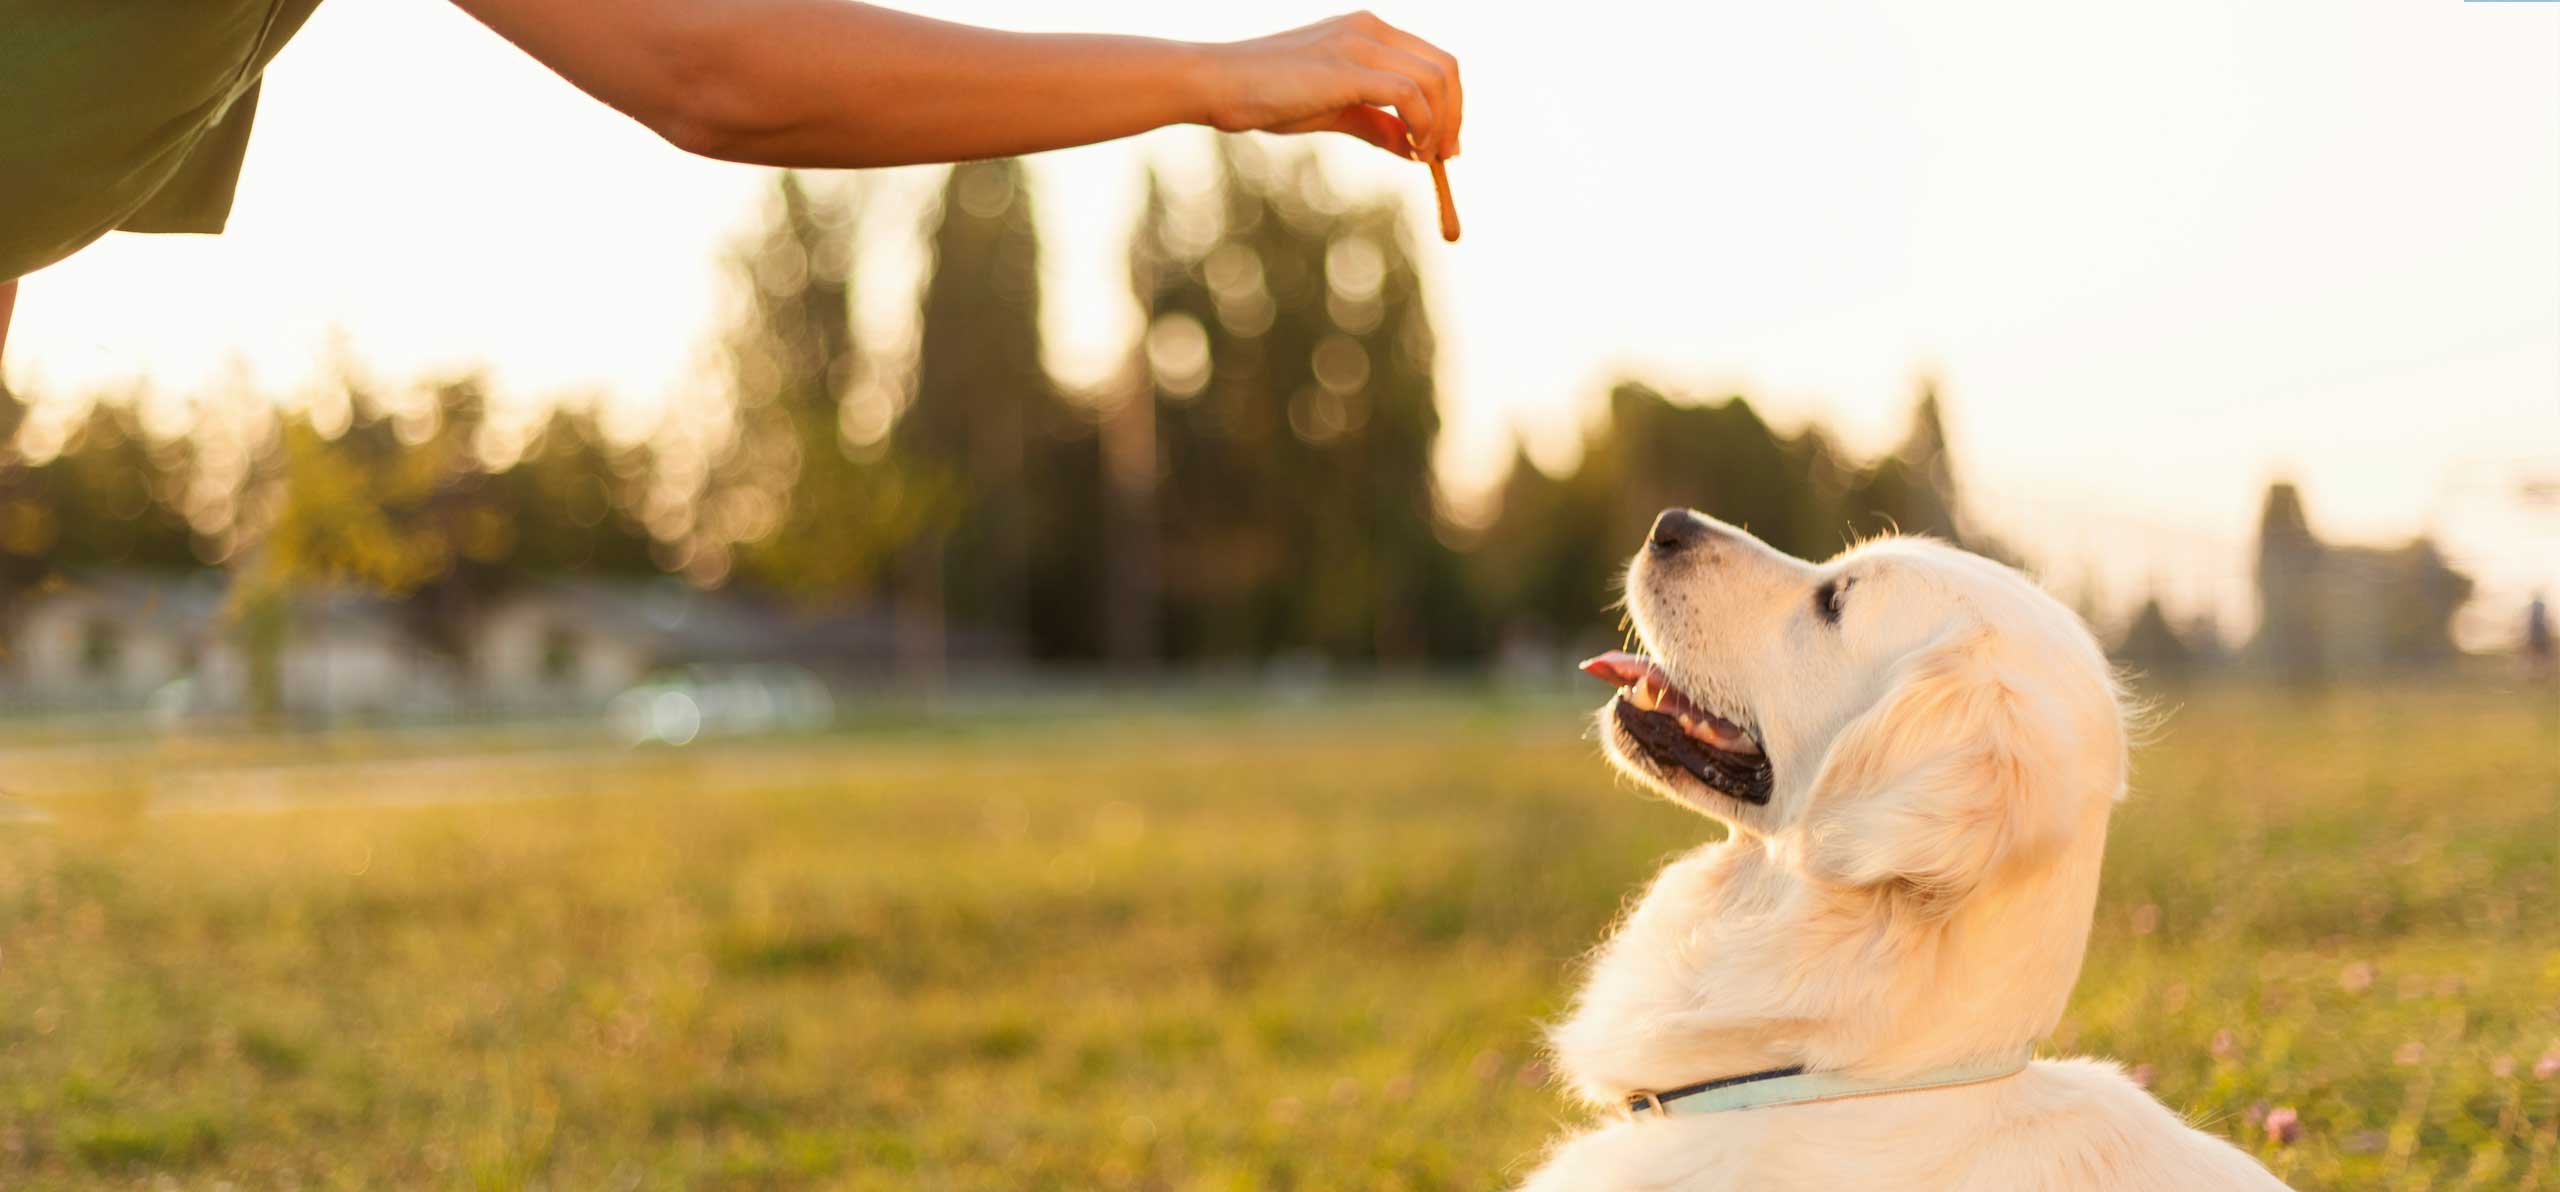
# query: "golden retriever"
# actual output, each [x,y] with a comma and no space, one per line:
[1916,751]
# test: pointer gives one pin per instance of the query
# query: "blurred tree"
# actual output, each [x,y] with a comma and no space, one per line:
[1259,482]
[1290,357]
[1217,543]
[357,509]
[570,502]
[351,509]
[1422,604]
[1133,457]
[1721,459]
[1549,564]
[802,511]
[1652,454]
[103,494]
[2206,649]
[1913,490]
[1013,547]
[514,504]
[2153,645]
[1551,561]
[424,499]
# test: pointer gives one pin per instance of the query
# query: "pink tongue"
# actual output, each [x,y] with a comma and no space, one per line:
[1619,667]
[1627,670]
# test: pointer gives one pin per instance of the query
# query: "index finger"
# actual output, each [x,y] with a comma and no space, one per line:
[1387,89]
[1455,116]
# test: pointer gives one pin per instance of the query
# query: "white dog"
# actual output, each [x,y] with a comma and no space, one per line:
[1916,751]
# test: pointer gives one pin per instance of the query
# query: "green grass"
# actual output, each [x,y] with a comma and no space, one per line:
[1159,950]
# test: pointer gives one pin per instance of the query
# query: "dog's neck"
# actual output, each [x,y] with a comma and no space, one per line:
[1734,962]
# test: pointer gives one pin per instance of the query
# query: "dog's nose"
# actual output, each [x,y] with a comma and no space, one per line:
[1676,530]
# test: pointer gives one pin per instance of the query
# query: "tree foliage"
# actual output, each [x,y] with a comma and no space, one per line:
[1257,487]
[105,495]
[807,513]
[1291,370]
[1550,563]
[1012,546]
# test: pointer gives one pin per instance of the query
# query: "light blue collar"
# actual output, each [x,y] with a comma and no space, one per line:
[1794,1086]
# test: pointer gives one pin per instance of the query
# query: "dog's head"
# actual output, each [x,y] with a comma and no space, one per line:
[1906,716]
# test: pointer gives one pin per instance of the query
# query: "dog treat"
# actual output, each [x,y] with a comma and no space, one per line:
[1448,207]
[1440,189]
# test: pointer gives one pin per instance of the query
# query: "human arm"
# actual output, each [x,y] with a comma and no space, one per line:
[830,83]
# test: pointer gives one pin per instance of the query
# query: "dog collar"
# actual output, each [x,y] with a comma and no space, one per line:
[1794,1086]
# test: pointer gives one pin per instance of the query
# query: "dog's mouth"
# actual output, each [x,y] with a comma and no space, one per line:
[1675,733]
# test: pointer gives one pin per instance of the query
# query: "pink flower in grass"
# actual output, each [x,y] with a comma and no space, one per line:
[2284,1126]
[2548,1066]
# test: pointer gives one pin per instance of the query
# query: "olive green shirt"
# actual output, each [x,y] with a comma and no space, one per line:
[126,114]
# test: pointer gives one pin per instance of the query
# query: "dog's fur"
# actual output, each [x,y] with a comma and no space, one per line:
[1915,893]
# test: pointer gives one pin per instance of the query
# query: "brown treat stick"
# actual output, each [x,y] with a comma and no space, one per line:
[1440,188]
[1448,206]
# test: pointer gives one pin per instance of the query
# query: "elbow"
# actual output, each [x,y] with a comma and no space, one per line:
[700,100]
[704,133]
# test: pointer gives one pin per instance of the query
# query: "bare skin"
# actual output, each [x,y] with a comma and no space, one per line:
[833,84]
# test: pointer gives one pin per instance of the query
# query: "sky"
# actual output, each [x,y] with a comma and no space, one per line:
[2154,255]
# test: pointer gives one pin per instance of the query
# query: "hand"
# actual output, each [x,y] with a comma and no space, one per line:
[1341,75]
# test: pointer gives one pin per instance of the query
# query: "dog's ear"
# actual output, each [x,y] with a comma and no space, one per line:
[1953,775]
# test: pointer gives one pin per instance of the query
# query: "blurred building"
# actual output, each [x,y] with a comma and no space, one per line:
[2328,610]
[111,638]
[583,641]
[168,641]
[152,638]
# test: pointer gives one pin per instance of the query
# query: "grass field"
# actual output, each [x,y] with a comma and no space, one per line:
[1214,949]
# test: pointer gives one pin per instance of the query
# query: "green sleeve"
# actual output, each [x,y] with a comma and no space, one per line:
[131,114]
[197,198]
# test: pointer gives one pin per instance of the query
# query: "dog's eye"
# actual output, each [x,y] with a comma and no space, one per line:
[1828,597]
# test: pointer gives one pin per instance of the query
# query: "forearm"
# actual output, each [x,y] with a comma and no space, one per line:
[825,83]
[925,90]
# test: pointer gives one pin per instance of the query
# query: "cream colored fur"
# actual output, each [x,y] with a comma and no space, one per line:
[1916,892]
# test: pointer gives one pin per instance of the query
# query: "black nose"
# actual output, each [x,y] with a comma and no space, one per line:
[1676,530]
